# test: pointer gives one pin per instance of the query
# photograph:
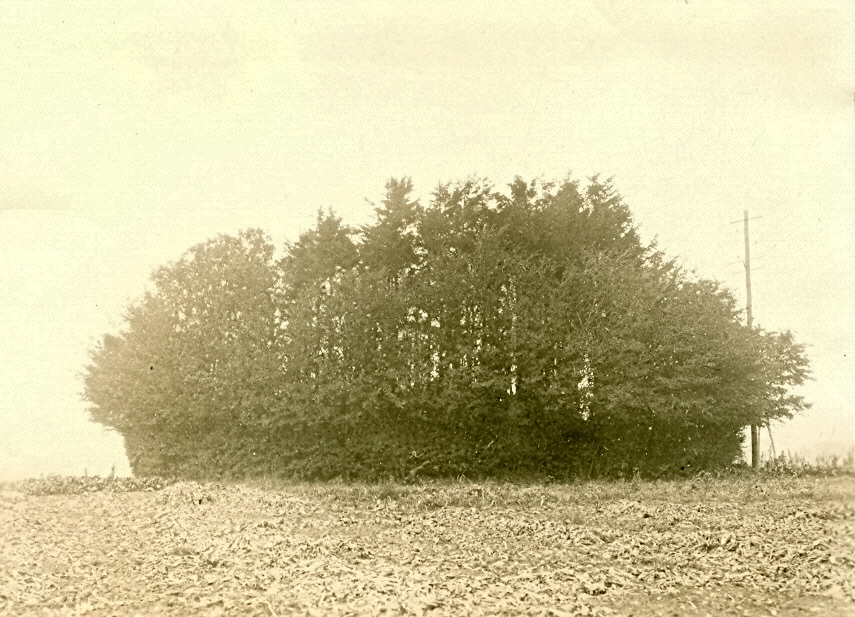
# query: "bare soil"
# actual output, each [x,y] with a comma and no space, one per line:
[738,546]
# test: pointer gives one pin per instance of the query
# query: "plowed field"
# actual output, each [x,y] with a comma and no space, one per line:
[743,546]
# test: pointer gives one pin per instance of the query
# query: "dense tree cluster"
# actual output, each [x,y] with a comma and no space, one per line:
[486,332]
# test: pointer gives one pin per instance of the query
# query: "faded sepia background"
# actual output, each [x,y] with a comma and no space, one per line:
[132,131]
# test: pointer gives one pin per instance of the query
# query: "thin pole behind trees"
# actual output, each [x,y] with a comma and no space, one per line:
[755,428]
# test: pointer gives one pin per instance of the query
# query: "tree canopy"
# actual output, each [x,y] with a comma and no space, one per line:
[486,332]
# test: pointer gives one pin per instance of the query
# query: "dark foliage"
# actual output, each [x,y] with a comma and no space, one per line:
[485,333]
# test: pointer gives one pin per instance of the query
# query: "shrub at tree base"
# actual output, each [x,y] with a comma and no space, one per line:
[482,334]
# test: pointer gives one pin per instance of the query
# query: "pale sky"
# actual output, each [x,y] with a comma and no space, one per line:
[132,131]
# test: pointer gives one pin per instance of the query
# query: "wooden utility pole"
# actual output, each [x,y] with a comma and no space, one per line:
[755,428]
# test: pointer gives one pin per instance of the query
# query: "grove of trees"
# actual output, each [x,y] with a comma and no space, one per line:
[485,333]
